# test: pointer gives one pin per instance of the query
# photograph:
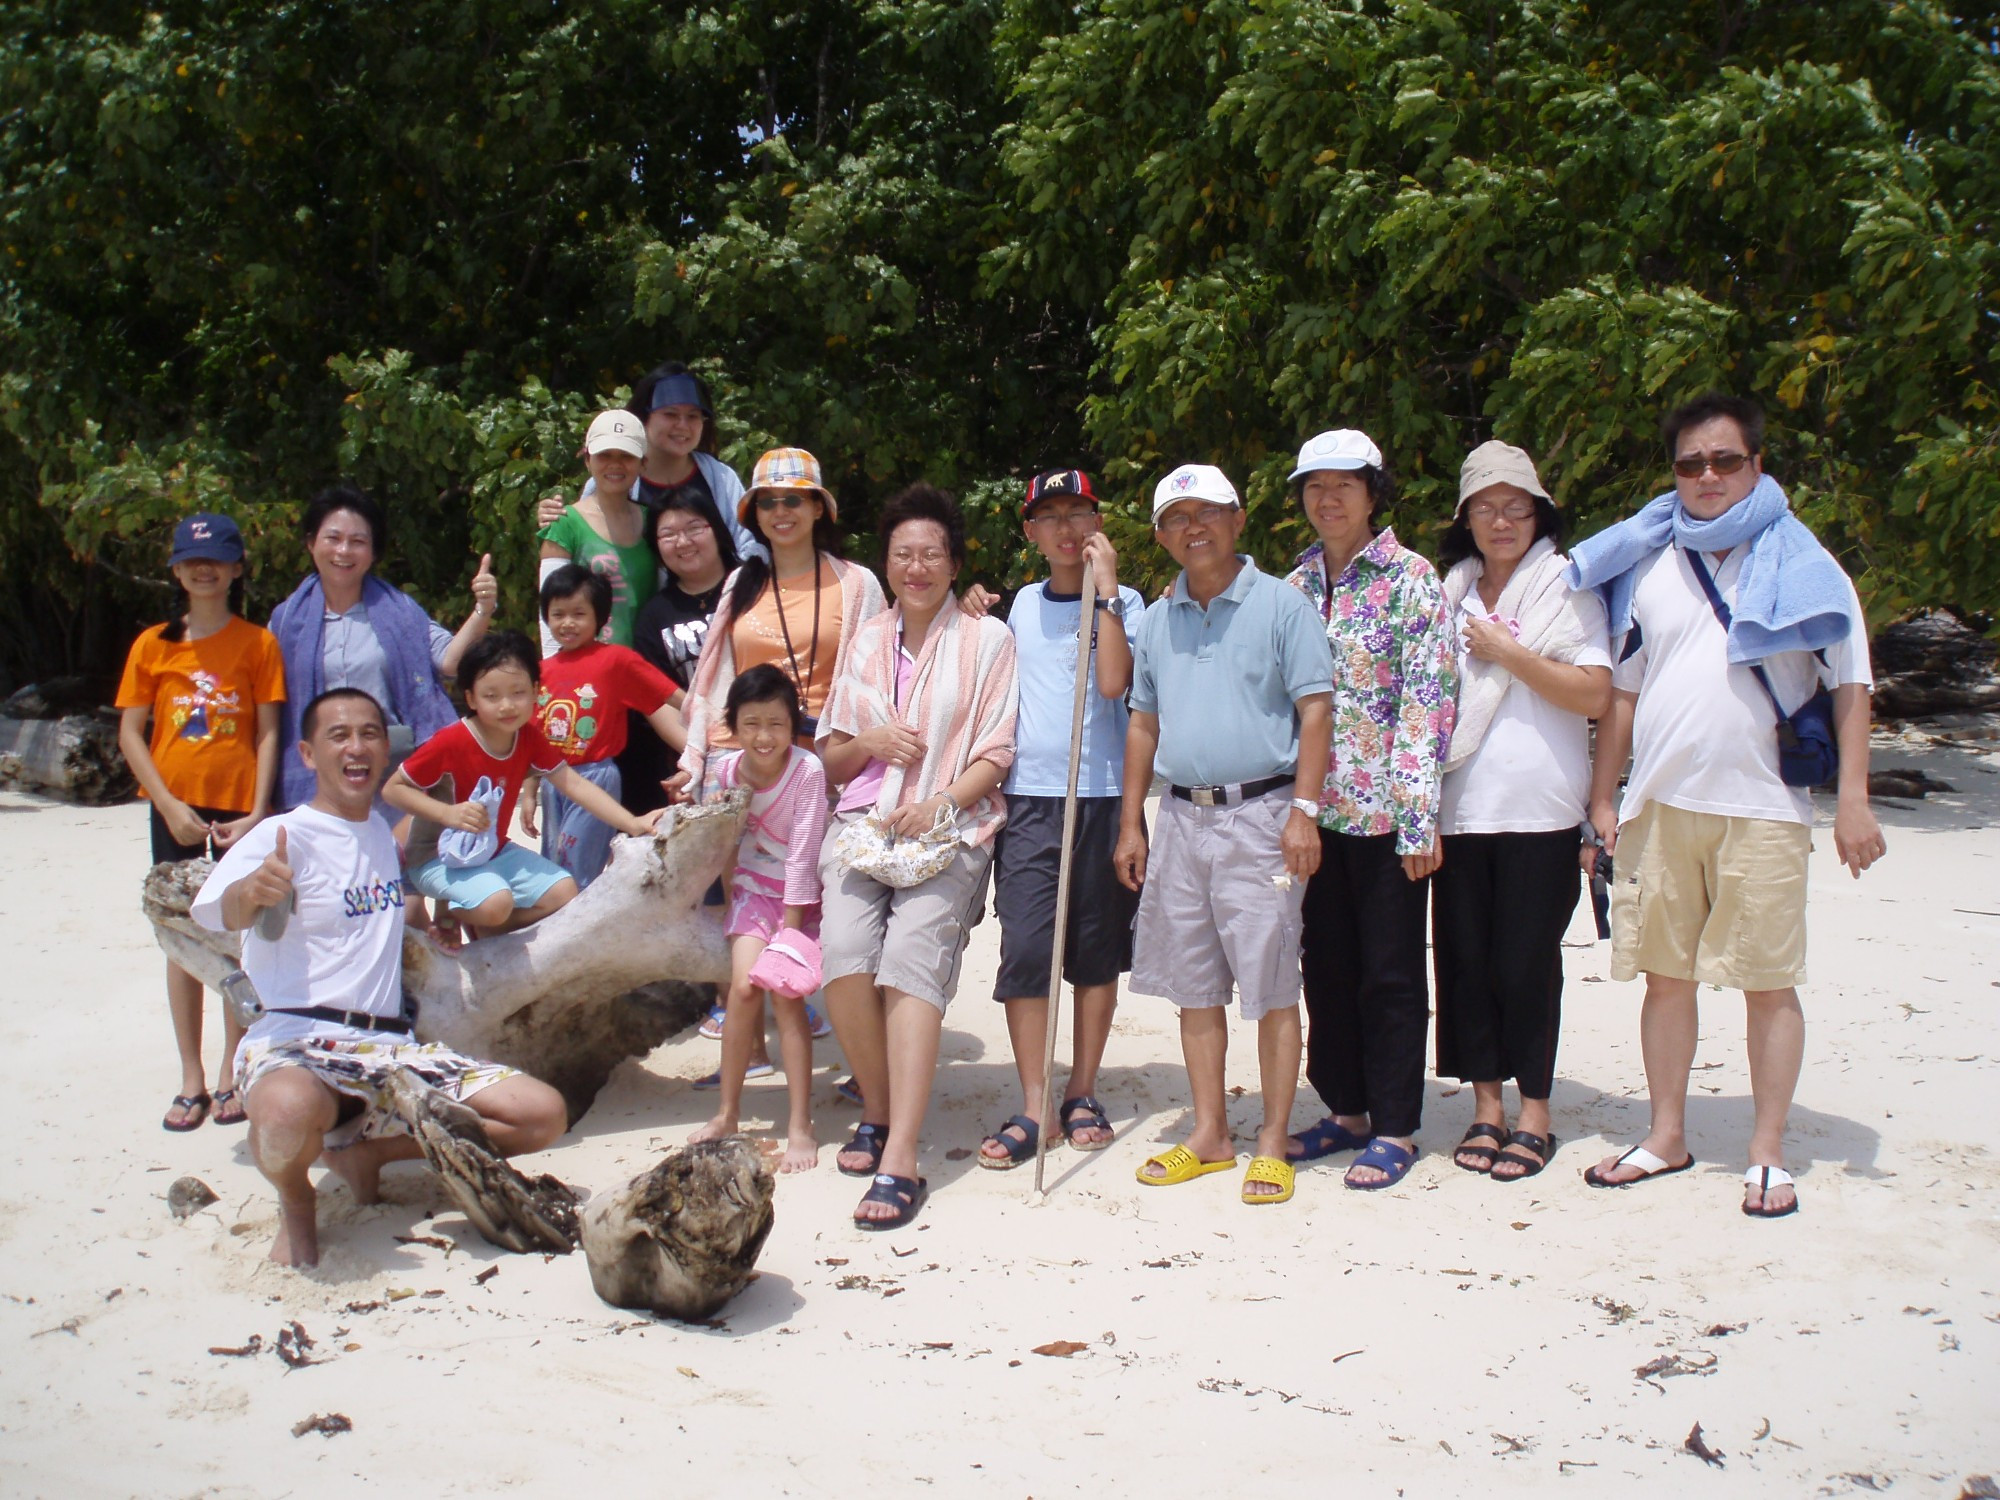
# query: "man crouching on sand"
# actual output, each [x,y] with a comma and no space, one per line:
[320,892]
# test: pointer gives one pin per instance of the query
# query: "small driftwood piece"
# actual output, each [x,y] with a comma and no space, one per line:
[1932,663]
[682,1239]
[509,1209]
[623,967]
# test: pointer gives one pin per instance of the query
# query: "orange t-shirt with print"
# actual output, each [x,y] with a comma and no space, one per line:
[204,696]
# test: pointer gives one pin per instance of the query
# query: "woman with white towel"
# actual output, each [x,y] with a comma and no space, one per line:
[1534,668]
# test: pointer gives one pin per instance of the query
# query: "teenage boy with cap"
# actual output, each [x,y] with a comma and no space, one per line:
[1060,517]
[1231,703]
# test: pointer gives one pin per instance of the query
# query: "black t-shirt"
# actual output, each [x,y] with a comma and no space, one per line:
[655,495]
[668,632]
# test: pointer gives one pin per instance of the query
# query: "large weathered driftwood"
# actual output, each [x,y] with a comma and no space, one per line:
[76,758]
[682,1239]
[610,976]
[1932,663]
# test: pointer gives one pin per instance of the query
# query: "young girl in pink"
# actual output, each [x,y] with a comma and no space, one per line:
[775,890]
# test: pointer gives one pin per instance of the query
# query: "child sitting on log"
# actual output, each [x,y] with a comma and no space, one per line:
[476,769]
[773,900]
[587,688]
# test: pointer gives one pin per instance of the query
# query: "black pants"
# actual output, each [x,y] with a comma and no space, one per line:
[1362,956]
[1504,901]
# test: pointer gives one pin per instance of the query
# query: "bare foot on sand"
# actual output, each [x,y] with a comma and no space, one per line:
[714,1130]
[360,1167]
[297,1243]
[801,1154]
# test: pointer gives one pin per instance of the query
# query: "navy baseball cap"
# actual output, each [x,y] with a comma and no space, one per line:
[206,535]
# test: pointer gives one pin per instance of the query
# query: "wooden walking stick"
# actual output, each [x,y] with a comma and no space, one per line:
[1086,640]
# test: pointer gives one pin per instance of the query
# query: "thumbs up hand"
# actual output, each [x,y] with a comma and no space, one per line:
[271,882]
[485,587]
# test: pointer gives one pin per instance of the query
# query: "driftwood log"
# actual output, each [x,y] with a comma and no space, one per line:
[1932,663]
[507,1207]
[625,965]
[75,758]
[682,1239]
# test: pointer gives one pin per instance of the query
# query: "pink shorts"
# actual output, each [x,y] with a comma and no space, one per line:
[754,914]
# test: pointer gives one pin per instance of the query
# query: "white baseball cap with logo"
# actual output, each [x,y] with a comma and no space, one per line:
[616,431]
[1343,448]
[1203,482]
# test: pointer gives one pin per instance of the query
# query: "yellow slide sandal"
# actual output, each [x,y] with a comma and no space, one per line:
[1180,1165]
[1271,1171]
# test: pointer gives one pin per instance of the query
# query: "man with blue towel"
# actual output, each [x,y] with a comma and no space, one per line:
[1742,682]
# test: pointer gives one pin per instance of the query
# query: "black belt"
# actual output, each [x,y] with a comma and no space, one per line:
[1229,796]
[360,1020]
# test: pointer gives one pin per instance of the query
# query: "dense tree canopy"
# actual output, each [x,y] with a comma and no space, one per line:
[247,248]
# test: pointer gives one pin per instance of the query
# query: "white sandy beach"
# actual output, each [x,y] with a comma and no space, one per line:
[1457,1337]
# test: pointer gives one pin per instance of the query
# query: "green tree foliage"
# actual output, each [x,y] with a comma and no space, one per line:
[246,248]
[1542,221]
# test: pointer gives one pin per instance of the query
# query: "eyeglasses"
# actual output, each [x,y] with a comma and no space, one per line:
[1055,520]
[1518,510]
[1723,463]
[930,557]
[769,503]
[1201,515]
[686,536]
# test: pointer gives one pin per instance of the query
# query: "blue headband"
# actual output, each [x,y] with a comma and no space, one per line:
[677,390]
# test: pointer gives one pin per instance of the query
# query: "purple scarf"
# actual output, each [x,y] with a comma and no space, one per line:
[416,698]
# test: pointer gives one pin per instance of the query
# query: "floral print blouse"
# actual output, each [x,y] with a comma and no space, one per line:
[1395,690]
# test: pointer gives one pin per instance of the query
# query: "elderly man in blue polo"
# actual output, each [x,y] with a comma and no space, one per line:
[1232,684]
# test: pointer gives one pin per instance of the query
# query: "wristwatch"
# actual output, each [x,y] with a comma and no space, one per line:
[1307,806]
[1114,606]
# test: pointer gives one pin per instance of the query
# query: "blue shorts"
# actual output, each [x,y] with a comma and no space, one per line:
[520,871]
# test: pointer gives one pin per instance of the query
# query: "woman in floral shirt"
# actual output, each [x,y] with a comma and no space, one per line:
[1395,685]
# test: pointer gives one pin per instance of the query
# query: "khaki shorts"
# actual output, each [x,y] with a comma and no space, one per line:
[1714,899]
[1213,915]
[909,939]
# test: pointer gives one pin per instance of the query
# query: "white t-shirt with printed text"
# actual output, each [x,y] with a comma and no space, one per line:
[343,945]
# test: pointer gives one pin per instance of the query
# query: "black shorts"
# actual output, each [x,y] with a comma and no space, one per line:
[1024,897]
[167,850]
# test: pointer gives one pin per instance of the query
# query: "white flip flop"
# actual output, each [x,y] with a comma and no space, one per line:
[1763,1179]
[1649,1165]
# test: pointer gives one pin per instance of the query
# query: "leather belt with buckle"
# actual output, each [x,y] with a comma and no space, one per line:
[360,1020]
[1229,796]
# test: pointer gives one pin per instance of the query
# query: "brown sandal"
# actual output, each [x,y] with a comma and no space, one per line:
[1487,1155]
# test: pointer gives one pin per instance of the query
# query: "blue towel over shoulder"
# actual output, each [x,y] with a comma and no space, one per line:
[1790,596]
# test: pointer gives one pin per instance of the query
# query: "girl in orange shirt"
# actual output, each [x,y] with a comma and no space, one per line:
[210,682]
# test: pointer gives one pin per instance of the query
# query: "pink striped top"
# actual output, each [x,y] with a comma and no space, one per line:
[779,855]
[961,703]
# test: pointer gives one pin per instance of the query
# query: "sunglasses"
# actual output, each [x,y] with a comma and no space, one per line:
[1723,463]
[769,503]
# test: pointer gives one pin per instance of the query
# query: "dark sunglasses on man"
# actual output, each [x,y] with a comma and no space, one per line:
[1724,464]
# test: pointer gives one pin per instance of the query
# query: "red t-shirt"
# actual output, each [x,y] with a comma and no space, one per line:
[585,694]
[449,764]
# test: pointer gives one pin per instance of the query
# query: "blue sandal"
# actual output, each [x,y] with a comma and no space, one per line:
[904,1194]
[1018,1150]
[1324,1139]
[1084,1113]
[1383,1156]
[873,1139]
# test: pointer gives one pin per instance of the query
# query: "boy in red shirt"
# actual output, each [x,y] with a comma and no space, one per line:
[477,768]
[587,687]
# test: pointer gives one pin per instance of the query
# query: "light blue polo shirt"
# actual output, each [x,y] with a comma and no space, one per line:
[1224,680]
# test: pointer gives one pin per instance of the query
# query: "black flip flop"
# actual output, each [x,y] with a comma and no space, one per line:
[1542,1146]
[197,1102]
[1478,1130]
[904,1194]
[874,1139]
